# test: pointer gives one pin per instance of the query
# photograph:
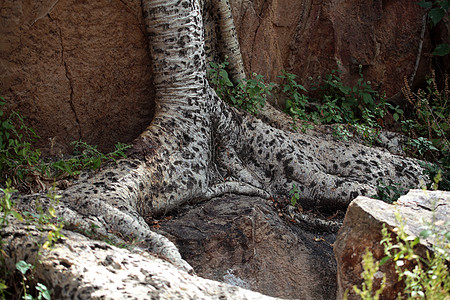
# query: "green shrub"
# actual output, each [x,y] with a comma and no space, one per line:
[17,157]
[40,219]
[350,101]
[429,125]
[429,276]
[23,165]
[249,94]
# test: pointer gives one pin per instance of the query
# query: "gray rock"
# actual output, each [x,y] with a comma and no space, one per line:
[362,230]
[244,241]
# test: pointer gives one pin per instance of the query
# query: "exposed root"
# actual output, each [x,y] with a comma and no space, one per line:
[239,188]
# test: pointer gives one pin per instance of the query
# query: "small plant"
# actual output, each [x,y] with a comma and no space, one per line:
[429,124]
[429,278]
[218,77]
[432,111]
[17,157]
[351,101]
[295,194]
[249,94]
[389,193]
[6,209]
[437,12]
[368,133]
[370,267]
[341,132]
[24,166]
[6,206]
[408,126]
[422,145]
[296,102]
[42,291]
[90,158]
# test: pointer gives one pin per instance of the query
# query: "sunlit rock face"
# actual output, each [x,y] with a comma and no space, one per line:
[76,70]
[310,38]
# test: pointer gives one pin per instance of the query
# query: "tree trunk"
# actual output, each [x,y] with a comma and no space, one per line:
[197,147]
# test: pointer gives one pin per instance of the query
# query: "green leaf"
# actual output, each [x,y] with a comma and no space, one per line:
[23,266]
[43,291]
[224,75]
[17,215]
[302,87]
[445,4]
[426,233]
[51,211]
[396,117]
[425,4]
[3,286]
[447,235]
[367,98]
[384,260]
[441,50]
[436,14]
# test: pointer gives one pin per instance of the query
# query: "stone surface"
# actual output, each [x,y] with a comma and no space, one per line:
[77,70]
[309,38]
[362,229]
[243,241]
[80,268]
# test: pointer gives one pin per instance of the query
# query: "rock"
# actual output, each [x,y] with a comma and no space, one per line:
[76,70]
[80,268]
[362,230]
[243,241]
[310,38]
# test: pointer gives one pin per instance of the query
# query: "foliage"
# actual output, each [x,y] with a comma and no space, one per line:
[23,164]
[296,102]
[360,108]
[437,11]
[249,94]
[17,157]
[429,278]
[218,78]
[354,111]
[370,267]
[422,145]
[424,277]
[389,193]
[24,268]
[429,123]
[6,205]
[352,103]
[295,194]
[42,220]
[341,132]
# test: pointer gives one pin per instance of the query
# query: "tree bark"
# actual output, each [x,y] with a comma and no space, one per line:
[197,147]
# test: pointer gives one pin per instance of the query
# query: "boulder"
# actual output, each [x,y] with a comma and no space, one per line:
[361,230]
[243,241]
